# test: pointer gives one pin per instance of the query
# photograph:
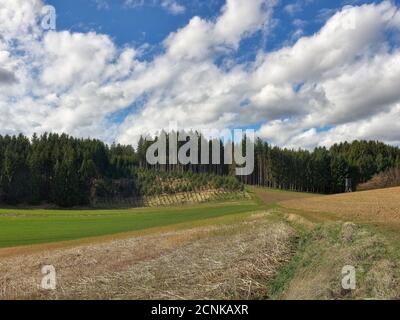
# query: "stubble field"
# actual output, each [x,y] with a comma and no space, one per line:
[380,206]
[276,245]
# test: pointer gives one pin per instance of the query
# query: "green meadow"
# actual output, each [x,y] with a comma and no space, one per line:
[26,227]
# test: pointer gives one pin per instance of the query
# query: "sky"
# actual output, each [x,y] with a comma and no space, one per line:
[302,73]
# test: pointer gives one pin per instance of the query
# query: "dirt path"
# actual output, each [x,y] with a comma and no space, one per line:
[271,196]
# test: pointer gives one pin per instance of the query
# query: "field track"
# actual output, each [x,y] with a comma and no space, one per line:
[272,196]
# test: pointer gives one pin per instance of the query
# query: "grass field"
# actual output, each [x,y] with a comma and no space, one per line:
[276,245]
[25,227]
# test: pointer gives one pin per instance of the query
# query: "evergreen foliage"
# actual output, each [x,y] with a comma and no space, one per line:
[60,169]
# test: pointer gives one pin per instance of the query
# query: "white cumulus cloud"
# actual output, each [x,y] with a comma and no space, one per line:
[340,83]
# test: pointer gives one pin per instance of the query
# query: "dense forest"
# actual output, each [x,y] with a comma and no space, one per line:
[60,169]
[69,172]
[321,170]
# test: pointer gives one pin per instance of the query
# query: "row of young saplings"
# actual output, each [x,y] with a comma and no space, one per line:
[199,196]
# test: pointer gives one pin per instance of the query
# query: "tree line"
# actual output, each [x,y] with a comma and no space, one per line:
[57,168]
[60,169]
[67,171]
[322,170]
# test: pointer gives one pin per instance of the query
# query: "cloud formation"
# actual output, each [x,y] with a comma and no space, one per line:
[339,84]
[7,77]
[171,6]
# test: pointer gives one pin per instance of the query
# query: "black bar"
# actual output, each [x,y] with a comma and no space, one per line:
[200,309]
